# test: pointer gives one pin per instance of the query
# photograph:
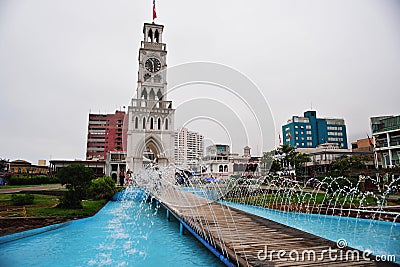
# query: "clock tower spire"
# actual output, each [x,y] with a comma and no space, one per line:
[152,63]
[150,114]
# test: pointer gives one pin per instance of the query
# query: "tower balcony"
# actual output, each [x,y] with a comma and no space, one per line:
[151,104]
[153,46]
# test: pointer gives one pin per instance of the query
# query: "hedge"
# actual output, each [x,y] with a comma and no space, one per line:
[35,180]
[20,200]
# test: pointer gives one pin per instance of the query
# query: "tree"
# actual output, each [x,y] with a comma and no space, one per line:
[3,164]
[346,164]
[288,154]
[299,160]
[269,163]
[77,179]
[102,188]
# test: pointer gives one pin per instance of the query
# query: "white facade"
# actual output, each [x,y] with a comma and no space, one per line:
[115,162]
[150,115]
[188,147]
[386,141]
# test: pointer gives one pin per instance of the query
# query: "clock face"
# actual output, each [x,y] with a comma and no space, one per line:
[153,64]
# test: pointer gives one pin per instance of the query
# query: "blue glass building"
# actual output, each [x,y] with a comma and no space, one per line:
[310,131]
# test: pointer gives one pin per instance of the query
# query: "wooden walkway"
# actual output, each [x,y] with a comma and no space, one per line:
[244,237]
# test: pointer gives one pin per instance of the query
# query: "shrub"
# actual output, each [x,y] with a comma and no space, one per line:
[35,180]
[22,199]
[77,179]
[102,188]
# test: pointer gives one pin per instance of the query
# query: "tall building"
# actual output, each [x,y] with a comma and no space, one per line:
[104,134]
[150,115]
[189,146]
[386,140]
[310,131]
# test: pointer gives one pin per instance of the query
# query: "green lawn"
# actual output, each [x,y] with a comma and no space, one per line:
[90,207]
[45,205]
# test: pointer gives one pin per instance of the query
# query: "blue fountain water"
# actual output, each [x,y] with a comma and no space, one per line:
[122,234]
[379,237]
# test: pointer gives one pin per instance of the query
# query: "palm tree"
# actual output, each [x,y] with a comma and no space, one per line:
[288,154]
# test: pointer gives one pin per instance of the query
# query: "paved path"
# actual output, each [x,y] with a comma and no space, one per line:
[30,188]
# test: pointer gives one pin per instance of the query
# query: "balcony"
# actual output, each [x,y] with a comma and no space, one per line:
[153,46]
[151,104]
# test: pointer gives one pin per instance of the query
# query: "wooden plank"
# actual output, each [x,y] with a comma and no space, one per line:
[240,235]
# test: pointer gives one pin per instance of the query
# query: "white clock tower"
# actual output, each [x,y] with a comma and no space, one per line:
[150,115]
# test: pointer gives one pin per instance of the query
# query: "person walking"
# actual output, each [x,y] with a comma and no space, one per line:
[121,177]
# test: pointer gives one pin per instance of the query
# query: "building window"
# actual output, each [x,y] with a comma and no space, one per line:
[166,124]
[136,123]
[159,124]
[309,132]
[309,138]
[309,143]
[151,123]
[308,127]
[220,168]
[226,168]
[144,123]
[235,167]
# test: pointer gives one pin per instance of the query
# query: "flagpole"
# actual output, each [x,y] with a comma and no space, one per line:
[154,10]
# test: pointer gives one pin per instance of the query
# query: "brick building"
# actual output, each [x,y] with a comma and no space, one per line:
[105,133]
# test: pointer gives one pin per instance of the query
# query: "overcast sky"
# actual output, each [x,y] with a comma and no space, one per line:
[61,59]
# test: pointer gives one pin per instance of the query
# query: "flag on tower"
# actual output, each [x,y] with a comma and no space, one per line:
[154,9]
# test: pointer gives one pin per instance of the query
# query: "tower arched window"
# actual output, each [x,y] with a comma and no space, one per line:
[136,122]
[226,168]
[159,124]
[220,168]
[166,124]
[150,36]
[159,95]
[152,95]
[144,123]
[144,93]
[157,36]
[151,123]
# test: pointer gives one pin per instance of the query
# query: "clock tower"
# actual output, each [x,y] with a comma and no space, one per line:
[150,114]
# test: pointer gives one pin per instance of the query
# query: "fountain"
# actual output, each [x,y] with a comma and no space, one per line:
[139,228]
[333,208]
